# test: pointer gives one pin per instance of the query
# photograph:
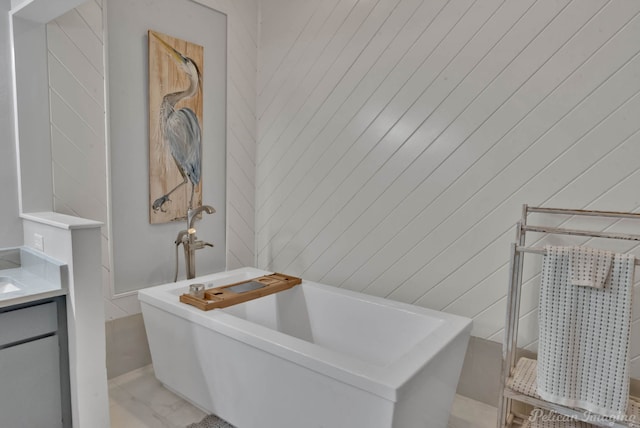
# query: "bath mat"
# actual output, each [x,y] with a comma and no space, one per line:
[211,421]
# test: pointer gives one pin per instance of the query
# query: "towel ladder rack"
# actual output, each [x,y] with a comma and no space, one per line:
[541,251]
[506,416]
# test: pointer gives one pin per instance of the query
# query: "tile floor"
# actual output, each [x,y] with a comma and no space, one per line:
[138,400]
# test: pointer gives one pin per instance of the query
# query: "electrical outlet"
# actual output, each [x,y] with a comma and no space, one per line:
[38,241]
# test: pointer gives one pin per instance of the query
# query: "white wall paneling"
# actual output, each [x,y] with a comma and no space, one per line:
[10,223]
[242,39]
[76,43]
[31,111]
[242,19]
[144,253]
[76,92]
[397,140]
[75,52]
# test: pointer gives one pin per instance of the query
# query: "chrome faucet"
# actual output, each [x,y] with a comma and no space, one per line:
[192,213]
[190,241]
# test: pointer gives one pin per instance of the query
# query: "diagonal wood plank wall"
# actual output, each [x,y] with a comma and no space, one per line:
[75,44]
[242,57]
[397,140]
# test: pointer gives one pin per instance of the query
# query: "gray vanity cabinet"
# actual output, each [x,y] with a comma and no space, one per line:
[34,374]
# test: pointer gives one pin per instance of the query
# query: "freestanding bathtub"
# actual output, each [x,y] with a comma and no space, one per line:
[309,357]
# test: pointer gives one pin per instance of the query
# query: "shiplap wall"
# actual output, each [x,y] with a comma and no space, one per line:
[10,222]
[397,140]
[242,57]
[76,73]
[75,43]
[76,66]
[77,105]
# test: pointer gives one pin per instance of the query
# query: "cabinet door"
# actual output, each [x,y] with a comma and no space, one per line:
[30,385]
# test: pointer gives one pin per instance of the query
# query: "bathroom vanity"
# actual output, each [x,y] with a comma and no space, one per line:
[34,367]
[34,361]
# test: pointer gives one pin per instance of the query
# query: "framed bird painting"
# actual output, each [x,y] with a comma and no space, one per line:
[175,127]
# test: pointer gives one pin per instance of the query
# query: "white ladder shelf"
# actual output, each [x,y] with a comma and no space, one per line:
[518,382]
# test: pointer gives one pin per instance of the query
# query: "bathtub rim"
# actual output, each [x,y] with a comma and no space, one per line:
[383,381]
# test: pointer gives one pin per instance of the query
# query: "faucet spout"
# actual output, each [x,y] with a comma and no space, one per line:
[193,213]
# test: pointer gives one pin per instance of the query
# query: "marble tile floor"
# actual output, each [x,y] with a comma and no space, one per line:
[138,400]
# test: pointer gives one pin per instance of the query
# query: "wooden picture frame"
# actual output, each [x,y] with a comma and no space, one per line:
[175,127]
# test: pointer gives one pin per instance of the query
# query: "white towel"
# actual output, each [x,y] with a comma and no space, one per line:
[590,266]
[583,352]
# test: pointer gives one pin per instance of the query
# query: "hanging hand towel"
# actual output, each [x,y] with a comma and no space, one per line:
[583,352]
[589,266]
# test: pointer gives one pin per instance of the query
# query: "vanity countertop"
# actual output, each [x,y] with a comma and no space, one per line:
[27,275]
[31,287]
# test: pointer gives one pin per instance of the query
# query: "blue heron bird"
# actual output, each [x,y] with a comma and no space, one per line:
[180,128]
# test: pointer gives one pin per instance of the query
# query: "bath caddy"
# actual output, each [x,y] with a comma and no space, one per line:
[239,292]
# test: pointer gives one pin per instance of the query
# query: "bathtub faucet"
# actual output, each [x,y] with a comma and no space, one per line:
[190,241]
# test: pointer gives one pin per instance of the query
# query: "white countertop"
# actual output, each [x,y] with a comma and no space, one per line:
[31,288]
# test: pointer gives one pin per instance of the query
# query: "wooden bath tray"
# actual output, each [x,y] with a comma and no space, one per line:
[239,292]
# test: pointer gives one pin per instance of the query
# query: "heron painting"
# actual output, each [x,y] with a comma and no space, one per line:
[175,130]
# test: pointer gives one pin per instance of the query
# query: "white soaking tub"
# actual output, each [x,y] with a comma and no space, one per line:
[309,357]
